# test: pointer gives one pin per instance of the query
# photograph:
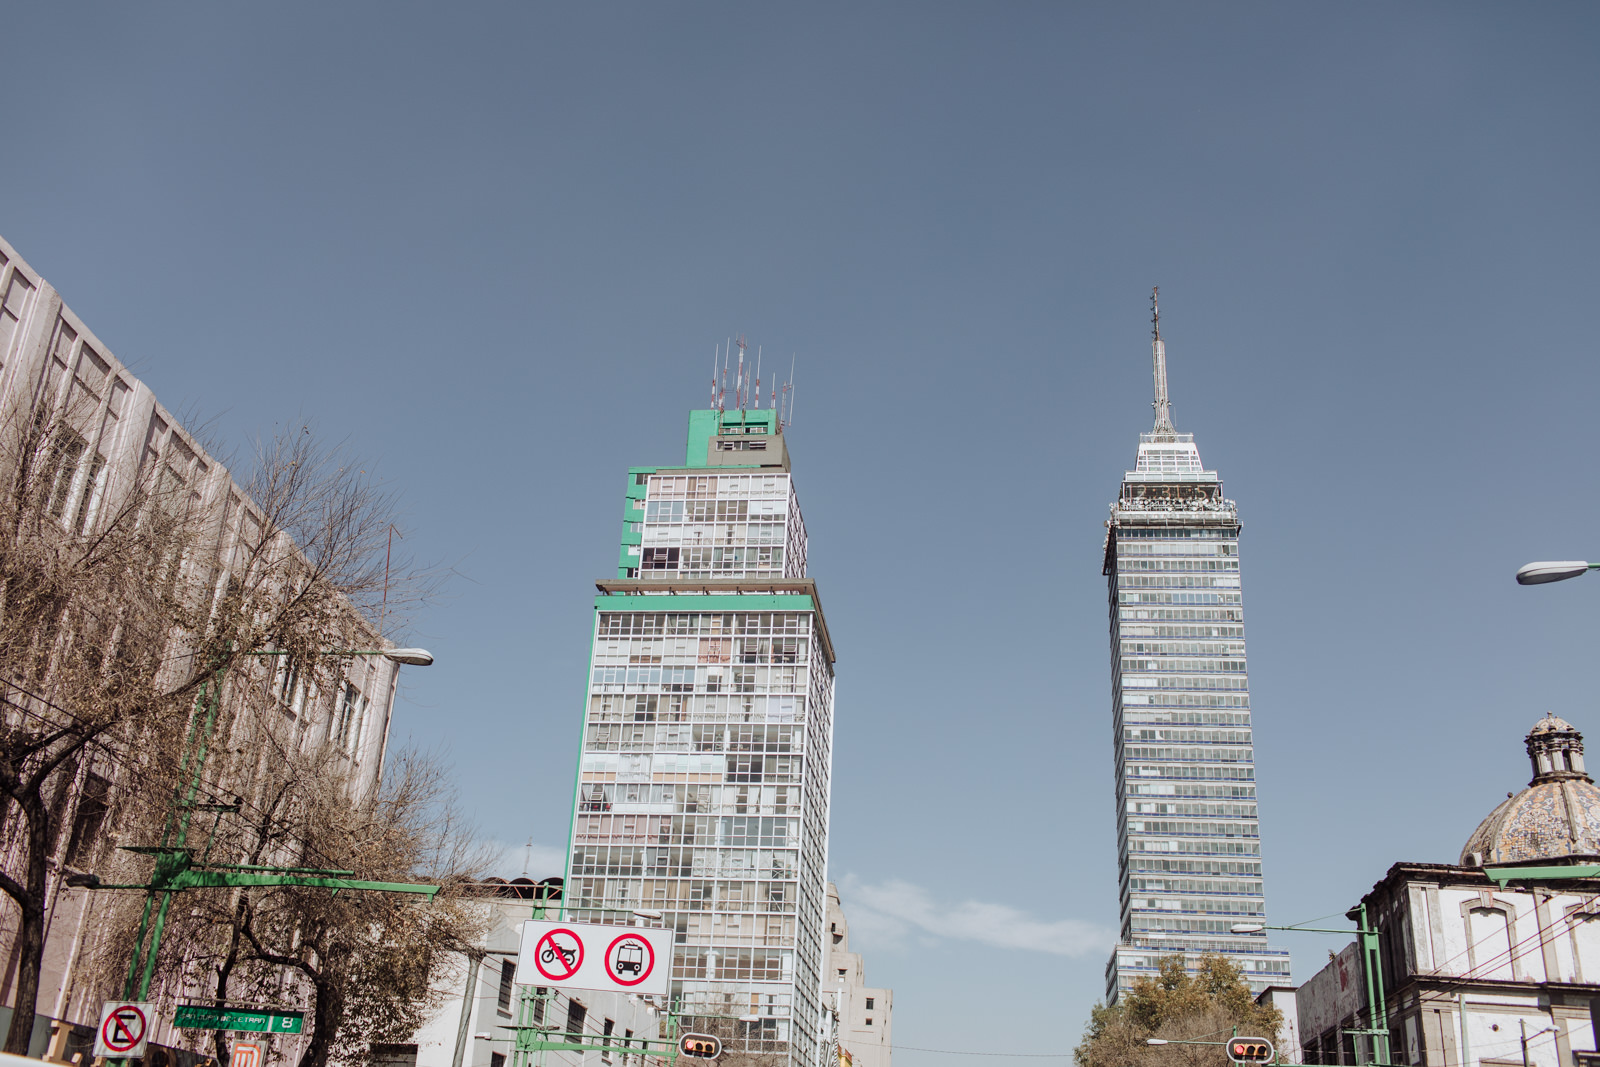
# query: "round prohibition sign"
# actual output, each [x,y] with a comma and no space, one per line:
[559,954]
[635,958]
[123,1029]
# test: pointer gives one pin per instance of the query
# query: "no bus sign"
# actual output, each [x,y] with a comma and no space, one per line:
[622,959]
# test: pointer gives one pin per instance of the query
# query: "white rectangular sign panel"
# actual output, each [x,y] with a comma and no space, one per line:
[620,959]
[124,1029]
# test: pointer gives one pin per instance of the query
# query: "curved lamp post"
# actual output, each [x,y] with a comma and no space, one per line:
[1558,571]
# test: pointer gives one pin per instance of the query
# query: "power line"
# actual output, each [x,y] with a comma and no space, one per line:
[1014,1055]
[959,1052]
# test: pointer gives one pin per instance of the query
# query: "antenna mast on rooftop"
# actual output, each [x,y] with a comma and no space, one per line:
[1158,353]
[789,388]
[722,391]
[738,381]
[783,399]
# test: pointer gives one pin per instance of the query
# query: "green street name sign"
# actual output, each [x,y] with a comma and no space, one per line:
[199,1017]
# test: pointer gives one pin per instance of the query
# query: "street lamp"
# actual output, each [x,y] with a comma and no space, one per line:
[1377,1014]
[1544,571]
[411,657]
[1526,1037]
[1176,1041]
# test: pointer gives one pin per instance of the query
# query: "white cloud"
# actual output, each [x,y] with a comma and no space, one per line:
[541,861]
[891,912]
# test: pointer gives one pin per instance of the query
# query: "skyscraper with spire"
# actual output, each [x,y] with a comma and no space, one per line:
[1188,839]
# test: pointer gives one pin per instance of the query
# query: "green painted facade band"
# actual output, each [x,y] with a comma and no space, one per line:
[693,602]
[1505,875]
[199,1017]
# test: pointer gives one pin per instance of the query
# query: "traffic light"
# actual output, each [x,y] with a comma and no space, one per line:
[1250,1050]
[700,1046]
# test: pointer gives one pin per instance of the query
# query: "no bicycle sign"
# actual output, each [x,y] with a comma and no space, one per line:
[625,959]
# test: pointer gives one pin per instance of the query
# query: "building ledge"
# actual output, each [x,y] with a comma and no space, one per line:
[721,587]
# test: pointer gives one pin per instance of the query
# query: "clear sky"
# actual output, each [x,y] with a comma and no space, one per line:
[494,245]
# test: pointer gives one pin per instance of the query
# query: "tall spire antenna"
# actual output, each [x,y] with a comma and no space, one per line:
[1158,353]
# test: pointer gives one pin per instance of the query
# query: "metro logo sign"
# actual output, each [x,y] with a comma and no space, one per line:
[1250,1050]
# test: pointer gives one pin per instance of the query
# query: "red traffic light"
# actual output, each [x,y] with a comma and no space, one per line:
[700,1046]
[1250,1050]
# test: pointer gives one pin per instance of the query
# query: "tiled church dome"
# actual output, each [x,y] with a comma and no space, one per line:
[1557,816]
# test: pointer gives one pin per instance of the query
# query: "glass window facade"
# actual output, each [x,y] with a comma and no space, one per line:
[704,777]
[728,525]
[1188,840]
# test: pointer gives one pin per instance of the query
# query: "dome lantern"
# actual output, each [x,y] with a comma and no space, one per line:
[1556,749]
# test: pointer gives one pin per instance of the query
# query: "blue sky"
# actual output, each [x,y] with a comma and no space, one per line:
[493,245]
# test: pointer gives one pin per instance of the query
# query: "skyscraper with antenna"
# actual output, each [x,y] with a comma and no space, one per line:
[703,783]
[1188,837]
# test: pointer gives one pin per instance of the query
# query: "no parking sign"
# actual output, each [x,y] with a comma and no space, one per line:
[623,959]
[124,1029]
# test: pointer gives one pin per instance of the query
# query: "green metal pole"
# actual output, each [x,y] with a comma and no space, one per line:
[1377,1013]
[155,946]
[185,814]
[136,962]
[137,959]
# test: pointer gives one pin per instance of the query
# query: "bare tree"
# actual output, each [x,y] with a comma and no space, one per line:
[85,627]
[118,611]
[366,961]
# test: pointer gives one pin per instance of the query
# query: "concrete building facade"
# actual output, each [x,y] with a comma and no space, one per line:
[703,784]
[112,433]
[862,1015]
[1188,839]
[1493,961]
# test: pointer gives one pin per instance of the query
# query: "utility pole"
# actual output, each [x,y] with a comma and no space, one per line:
[1372,967]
